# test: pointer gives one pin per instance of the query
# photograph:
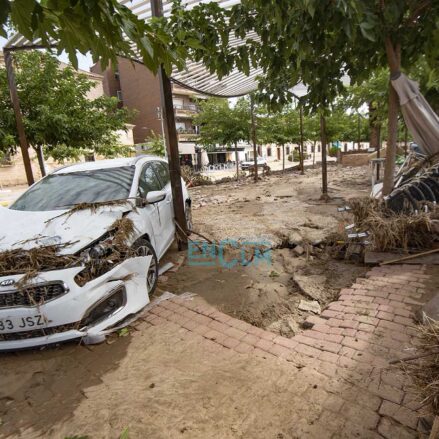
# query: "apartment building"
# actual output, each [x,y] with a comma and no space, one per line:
[138,89]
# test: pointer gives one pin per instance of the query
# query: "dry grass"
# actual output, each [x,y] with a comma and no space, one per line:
[424,370]
[93,207]
[390,231]
[32,261]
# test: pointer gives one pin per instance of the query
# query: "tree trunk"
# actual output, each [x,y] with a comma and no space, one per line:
[324,164]
[237,161]
[302,158]
[314,153]
[394,61]
[283,158]
[255,148]
[40,156]
[406,135]
[359,132]
[373,127]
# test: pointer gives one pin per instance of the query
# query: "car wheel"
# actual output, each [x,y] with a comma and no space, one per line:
[188,215]
[143,247]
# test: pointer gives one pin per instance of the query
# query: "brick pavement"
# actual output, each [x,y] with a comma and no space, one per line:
[352,342]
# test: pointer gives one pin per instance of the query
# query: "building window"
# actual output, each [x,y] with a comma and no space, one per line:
[268,152]
[119,95]
[181,126]
[287,150]
[260,151]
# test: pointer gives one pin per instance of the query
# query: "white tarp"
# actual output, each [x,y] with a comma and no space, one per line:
[421,120]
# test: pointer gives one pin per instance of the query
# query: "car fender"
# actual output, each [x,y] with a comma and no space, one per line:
[142,227]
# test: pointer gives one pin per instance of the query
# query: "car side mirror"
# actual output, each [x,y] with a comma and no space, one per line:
[155,197]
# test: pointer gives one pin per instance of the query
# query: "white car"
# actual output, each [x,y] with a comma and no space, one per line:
[74,211]
[261,161]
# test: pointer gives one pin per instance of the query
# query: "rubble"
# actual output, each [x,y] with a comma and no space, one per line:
[311,306]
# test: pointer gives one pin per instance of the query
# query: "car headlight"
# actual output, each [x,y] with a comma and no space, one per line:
[106,307]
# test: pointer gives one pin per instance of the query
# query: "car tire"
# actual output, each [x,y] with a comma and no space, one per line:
[142,247]
[188,216]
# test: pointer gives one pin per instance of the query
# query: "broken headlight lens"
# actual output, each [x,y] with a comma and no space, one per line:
[106,307]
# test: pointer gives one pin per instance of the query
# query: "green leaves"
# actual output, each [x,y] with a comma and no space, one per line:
[106,28]
[57,112]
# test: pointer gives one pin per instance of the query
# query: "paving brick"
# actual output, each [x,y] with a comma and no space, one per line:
[201,329]
[221,317]
[354,343]
[235,333]
[264,345]
[384,315]
[219,326]
[366,327]
[387,392]
[334,403]
[401,414]
[329,357]
[404,321]
[215,336]
[318,343]
[279,351]
[359,415]
[230,342]
[250,339]
[286,342]
[239,324]
[391,430]
[202,319]
[307,350]
[243,348]
[323,337]
[391,325]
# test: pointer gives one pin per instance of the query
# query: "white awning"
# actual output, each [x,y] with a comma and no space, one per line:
[194,76]
[186,148]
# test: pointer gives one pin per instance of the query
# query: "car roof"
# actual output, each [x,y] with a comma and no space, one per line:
[106,164]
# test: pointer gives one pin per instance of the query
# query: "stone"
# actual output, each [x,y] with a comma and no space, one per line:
[311,306]
[298,250]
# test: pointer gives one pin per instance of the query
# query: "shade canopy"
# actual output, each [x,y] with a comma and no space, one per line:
[421,120]
[194,75]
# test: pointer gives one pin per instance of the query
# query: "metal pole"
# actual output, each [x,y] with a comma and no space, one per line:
[302,165]
[24,145]
[378,150]
[255,151]
[324,164]
[171,140]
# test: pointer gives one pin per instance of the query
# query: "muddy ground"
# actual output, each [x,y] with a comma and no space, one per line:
[286,212]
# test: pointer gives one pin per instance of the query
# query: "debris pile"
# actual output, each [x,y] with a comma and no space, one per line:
[113,248]
[423,369]
[381,229]
[193,178]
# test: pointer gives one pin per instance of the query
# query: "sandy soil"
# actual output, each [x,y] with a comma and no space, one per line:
[284,210]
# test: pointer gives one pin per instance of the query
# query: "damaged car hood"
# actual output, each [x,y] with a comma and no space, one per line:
[25,229]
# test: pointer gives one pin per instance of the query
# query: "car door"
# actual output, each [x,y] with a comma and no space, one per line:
[167,214]
[154,213]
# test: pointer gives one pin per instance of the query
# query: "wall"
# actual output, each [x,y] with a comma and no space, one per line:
[140,91]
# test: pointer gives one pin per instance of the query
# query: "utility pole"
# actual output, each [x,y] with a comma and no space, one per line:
[302,165]
[324,164]
[24,145]
[255,148]
[171,142]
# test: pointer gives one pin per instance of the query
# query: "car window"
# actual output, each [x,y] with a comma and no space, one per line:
[162,171]
[148,180]
[64,190]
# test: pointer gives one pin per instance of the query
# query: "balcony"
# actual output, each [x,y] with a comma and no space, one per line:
[187,110]
[186,134]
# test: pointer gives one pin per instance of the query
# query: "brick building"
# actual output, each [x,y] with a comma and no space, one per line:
[137,88]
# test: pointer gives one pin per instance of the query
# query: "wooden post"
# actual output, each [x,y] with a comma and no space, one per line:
[324,164]
[24,145]
[171,141]
[302,159]
[255,148]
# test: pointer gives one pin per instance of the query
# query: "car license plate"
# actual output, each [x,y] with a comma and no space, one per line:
[15,324]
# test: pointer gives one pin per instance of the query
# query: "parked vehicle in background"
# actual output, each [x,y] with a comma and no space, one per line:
[261,161]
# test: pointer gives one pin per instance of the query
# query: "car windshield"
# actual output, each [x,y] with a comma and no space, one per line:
[62,191]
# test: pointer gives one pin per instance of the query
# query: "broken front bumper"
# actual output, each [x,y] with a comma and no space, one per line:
[58,309]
